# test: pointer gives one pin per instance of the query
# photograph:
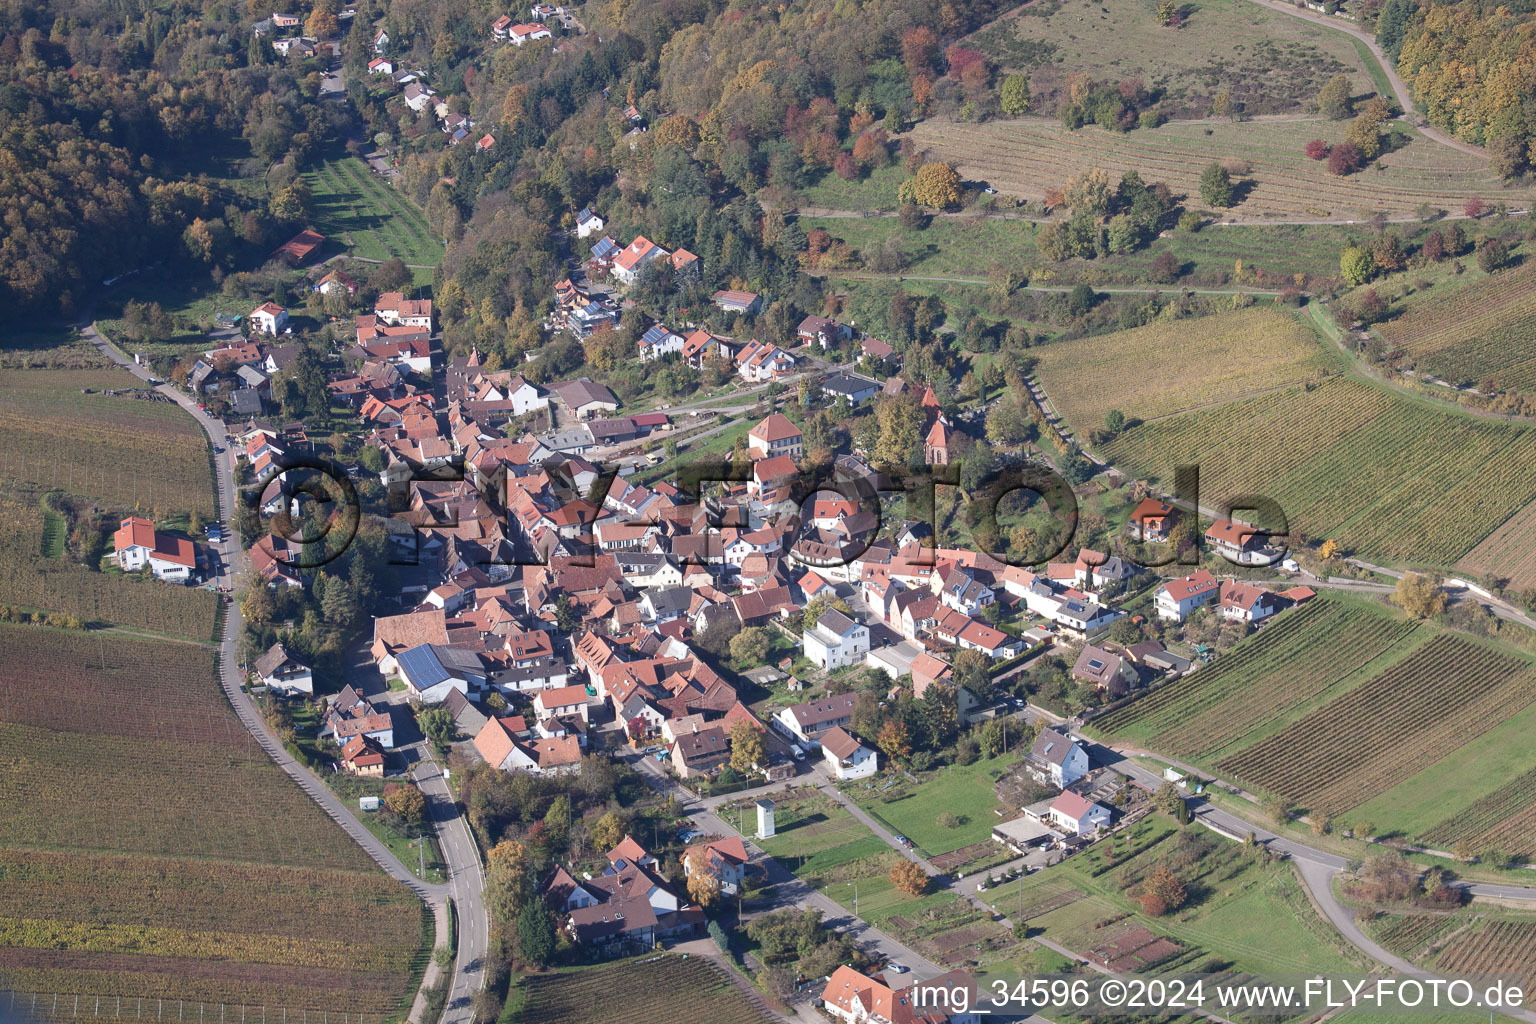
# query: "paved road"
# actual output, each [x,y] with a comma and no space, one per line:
[464,885]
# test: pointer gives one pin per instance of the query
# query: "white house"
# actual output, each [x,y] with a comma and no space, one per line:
[281,672]
[836,641]
[1077,814]
[431,671]
[725,859]
[1175,599]
[564,700]
[1058,758]
[588,223]
[138,544]
[847,758]
[269,318]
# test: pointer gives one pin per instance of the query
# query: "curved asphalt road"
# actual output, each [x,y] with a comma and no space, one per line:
[466,882]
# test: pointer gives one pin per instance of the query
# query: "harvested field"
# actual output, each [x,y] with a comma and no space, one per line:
[1222,46]
[1167,368]
[1031,158]
[1383,475]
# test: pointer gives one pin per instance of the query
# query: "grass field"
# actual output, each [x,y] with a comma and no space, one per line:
[1285,670]
[358,209]
[151,849]
[130,453]
[1420,712]
[1251,914]
[1223,45]
[1483,333]
[1030,158]
[913,809]
[1385,475]
[666,988]
[1172,367]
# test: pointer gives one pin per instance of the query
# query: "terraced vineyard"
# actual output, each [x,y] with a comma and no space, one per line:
[151,849]
[358,208]
[1504,819]
[1384,476]
[1486,332]
[1031,158]
[1508,553]
[640,991]
[1412,715]
[1405,934]
[1499,947]
[1167,368]
[130,453]
[1283,669]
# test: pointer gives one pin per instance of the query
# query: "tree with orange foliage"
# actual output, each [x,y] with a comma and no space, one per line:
[910,878]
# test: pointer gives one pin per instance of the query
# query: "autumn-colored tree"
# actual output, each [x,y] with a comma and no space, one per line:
[910,878]
[1162,884]
[703,883]
[677,130]
[406,802]
[936,184]
[919,49]
[609,831]
[748,748]
[894,740]
[1419,595]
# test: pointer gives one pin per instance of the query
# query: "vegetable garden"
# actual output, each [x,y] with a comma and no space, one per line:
[1485,332]
[1418,711]
[1172,367]
[665,988]
[1382,475]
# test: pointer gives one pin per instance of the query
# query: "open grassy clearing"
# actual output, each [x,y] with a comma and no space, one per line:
[666,988]
[152,849]
[1483,333]
[1421,711]
[1172,367]
[914,809]
[1285,670]
[1385,475]
[1223,45]
[1030,158]
[360,210]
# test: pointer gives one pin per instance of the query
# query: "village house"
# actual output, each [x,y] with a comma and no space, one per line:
[1177,598]
[1057,758]
[282,673]
[268,318]
[137,544]
[836,641]
[724,859]
[808,721]
[1077,815]
[846,757]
